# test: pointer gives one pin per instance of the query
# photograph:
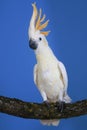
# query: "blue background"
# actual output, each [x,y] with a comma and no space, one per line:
[68,40]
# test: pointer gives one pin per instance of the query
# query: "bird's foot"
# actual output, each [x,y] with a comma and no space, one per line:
[47,103]
[61,106]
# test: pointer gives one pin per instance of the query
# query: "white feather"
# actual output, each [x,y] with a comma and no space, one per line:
[64,73]
[62,68]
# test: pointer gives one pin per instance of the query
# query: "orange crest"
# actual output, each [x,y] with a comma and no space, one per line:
[38,24]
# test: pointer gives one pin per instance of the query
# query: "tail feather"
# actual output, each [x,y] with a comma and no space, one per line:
[50,122]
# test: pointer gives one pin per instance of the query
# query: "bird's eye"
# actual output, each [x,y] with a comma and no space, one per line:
[40,38]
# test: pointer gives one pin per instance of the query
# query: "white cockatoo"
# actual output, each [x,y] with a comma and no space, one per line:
[50,75]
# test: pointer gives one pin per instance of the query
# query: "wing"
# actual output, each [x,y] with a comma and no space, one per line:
[63,73]
[36,75]
[64,78]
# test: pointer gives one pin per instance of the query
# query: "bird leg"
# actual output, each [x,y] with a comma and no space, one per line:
[47,103]
[60,103]
[61,106]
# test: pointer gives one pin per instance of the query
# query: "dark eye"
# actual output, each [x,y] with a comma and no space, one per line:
[40,38]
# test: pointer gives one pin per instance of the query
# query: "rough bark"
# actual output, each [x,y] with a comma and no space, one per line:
[16,107]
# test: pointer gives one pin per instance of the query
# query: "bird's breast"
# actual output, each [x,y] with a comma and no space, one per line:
[49,75]
[50,82]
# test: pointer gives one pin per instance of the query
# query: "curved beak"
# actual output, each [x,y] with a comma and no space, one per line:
[32,44]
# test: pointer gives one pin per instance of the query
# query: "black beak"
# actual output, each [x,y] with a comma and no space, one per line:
[32,44]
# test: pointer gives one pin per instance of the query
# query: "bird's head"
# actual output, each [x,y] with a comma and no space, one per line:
[37,37]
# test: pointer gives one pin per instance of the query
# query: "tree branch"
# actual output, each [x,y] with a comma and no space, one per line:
[28,110]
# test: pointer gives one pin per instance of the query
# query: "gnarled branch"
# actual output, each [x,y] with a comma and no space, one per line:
[28,110]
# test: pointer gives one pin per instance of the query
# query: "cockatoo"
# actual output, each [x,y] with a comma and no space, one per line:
[50,75]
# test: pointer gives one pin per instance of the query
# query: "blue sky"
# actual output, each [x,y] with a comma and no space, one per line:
[68,40]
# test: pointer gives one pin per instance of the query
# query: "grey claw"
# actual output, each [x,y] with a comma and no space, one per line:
[47,104]
[61,106]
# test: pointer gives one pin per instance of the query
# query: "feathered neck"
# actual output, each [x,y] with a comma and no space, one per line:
[44,54]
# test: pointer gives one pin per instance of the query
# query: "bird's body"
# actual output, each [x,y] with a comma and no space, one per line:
[50,75]
[50,79]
